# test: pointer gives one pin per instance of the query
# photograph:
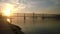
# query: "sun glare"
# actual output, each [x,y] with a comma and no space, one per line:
[7,9]
[7,13]
[8,20]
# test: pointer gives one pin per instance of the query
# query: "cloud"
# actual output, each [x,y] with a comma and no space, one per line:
[49,5]
[36,5]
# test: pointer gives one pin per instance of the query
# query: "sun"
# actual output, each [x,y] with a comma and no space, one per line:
[7,12]
[7,9]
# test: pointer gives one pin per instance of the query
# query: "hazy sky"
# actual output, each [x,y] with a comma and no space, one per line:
[39,6]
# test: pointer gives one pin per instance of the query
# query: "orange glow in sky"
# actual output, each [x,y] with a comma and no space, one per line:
[7,9]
